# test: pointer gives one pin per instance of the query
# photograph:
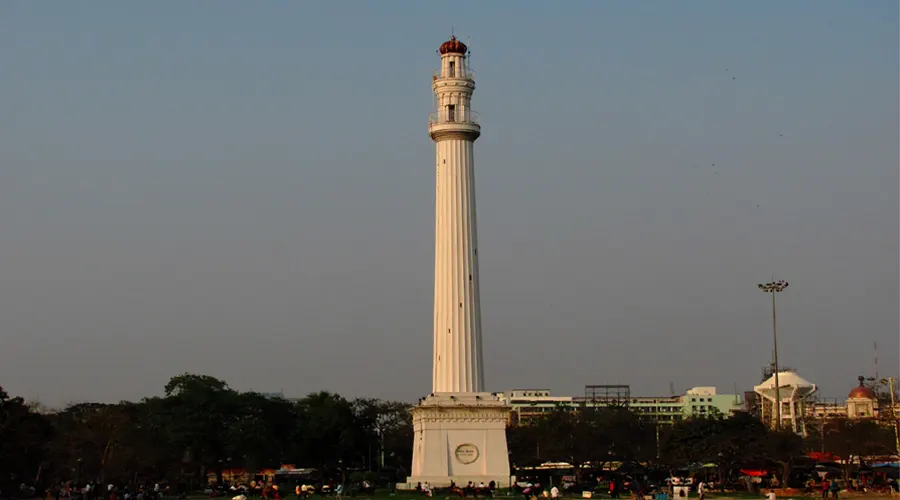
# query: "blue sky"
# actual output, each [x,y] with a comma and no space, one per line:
[244,189]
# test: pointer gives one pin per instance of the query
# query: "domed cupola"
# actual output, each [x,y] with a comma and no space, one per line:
[861,401]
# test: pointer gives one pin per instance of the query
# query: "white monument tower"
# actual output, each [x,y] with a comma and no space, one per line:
[460,430]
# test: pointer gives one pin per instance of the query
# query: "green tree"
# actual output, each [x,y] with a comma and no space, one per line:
[388,429]
[201,410]
[742,442]
[857,438]
[256,433]
[329,433]
[623,436]
[730,443]
[691,441]
[157,452]
[192,384]
[24,439]
[565,435]
[783,447]
[596,434]
[523,442]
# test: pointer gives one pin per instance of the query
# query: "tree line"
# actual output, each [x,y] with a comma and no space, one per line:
[616,436]
[202,426]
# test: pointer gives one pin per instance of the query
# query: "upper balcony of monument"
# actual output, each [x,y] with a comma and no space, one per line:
[451,121]
[453,74]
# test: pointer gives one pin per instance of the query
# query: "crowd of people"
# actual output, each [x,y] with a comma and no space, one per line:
[271,491]
[94,490]
[675,488]
[470,489]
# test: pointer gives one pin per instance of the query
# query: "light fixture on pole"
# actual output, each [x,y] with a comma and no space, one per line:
[772,288]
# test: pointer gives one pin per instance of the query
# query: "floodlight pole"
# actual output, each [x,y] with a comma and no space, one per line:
[896,422]
[772,288]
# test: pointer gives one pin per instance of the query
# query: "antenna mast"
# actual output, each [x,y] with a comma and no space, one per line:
[875,354]
[468,55]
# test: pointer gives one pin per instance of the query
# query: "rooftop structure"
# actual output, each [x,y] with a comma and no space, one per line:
[793,392]
[608,393]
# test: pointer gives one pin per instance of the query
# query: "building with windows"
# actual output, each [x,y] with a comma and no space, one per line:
[528,404]
[706,401]
[862,403]
[801,404]
[826,408]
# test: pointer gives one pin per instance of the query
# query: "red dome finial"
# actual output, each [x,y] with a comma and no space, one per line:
[861,391]
[453,46]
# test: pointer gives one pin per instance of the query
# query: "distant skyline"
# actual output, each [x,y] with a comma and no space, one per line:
[245,190]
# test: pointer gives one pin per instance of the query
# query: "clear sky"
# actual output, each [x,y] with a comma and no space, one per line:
[245,189]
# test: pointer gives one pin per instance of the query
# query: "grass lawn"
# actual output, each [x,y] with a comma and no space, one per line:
[502,495]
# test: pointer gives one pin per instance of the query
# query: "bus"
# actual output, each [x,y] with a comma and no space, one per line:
[288,478]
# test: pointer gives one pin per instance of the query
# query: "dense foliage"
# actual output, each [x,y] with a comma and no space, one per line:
[601,436]
[202,426]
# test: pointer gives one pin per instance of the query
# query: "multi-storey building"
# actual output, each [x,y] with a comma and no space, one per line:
[862,403]
[528,404]
[801,404]
[826,408]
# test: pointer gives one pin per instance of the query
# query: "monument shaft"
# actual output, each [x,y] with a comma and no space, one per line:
[458,365]
[459,430]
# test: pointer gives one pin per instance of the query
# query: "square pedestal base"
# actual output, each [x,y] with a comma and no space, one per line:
[460,437]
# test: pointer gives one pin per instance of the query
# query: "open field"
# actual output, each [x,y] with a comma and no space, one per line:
[403,495]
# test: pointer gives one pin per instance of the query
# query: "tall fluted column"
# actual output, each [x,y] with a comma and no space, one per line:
[458,365]
[454,128]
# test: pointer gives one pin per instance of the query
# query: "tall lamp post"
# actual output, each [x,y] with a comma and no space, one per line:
[511,472]
[381,446]
[896,423]
[772,288]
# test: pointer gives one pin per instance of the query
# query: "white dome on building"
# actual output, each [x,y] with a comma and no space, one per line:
[789,382]
[792,390]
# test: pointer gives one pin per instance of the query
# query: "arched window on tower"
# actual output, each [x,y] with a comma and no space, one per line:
[451,112]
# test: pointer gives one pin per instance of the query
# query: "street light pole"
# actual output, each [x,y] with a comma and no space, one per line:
[381,446]
[772,288]
[657,439]
[896,422]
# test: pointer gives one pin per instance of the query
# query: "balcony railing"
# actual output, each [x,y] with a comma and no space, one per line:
[444,117]
[470,75]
